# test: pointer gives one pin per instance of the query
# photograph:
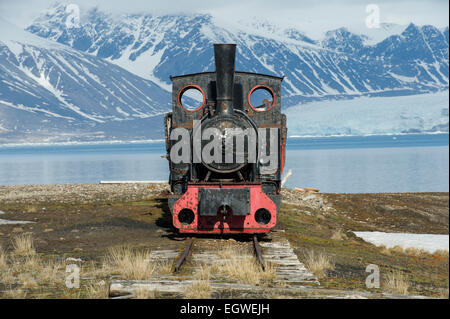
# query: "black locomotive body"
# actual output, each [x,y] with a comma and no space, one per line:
[226,196]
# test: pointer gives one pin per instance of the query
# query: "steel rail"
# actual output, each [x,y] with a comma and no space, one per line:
[179,262]
[258,253]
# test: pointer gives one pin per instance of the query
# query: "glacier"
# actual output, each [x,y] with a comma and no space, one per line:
[424,113]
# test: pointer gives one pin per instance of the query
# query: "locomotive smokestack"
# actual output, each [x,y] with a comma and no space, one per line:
[224,55]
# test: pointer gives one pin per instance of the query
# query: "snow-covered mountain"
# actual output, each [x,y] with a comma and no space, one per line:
[406,60]
[49,91]
[108,77]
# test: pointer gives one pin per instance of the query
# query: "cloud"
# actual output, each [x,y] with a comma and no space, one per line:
[312,16]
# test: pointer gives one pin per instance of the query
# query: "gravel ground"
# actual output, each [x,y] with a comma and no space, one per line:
[72,193]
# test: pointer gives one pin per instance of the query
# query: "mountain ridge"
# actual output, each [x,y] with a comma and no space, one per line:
[49,89]
[340,65]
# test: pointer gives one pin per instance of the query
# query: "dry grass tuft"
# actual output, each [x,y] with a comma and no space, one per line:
[229,251]
[338,235]
[385,250]
[443,293]
[203,272]
[131,264]
[30,263]
[411,251]
[25,267]
[441,253]
[7,277]
[239,265]
[23,245]
[3,259]
[49,272]
[247,270]
[15,294]
[31,209]
[199,289]
[396,283]
[146,294]
[27,280]
[164,267]
[318,263]
[416,252]
[31,272]
[97,290]
[397,250]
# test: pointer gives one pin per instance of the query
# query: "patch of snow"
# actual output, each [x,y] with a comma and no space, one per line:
[2,129]
[376,35]
[13,222]
[428,242]
[257,27]
[122,112]
[404,78]
[33,110]
[44,81]
[309,197]
[74,259]
[144,64]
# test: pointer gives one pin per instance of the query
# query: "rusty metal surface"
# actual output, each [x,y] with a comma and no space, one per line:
[211,199]
[226,94]
[243,84]
[179,262]
[258,252]
[224,57]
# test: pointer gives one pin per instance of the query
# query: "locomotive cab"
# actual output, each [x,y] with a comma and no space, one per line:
[228,179]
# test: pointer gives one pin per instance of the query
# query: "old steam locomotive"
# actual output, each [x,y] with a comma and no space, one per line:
[223,182]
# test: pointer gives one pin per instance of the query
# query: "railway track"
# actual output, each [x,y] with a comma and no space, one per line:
[198,252]
[182,258]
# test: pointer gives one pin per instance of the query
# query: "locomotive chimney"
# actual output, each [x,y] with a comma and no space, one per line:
[224,56]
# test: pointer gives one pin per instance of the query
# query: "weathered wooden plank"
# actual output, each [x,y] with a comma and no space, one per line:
[129,288]
[288,267]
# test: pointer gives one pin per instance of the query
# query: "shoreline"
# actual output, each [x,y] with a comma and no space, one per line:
[156,141]
[81,189]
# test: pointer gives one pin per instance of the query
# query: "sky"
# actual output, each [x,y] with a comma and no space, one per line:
[314,17]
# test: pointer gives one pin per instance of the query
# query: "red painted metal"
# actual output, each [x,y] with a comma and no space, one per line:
[231,224]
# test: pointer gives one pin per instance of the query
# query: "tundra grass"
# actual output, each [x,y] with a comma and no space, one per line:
[425,274]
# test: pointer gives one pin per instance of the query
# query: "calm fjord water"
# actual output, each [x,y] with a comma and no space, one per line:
[403,163]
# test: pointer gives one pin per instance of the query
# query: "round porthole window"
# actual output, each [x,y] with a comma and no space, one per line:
[191,98]
[262,216]
[261,98]
[186,216]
